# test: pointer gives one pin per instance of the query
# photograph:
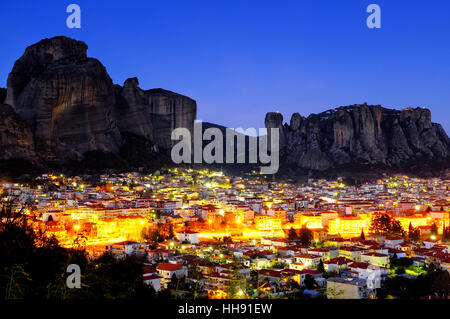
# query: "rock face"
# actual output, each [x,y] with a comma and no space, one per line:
[152,113]
[360,134]
[72,106]
[65,97]
[16,139]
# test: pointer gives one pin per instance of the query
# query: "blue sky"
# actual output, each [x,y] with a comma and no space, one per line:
[241,59]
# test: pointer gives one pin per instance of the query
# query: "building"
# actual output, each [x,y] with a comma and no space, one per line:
[189,236]
[167,270]
[268,223]
[309,261]
[126,248]
[348,226]
[377,259]
[336,264]
[152,278]
[350,252]
[346,288]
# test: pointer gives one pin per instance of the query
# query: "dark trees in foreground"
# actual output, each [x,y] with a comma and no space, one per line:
[34,266]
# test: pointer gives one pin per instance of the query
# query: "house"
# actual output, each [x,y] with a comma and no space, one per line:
[309,261]
[378,249]
[391,242]
[377,259]
[346,288]
[126,248]
[189,236]
[156,254]
[371,273]
[168,270]
[257,263]
[296,266]
[350,252]
[152,278]
[324,253]
[309,272]
[299,276]
[405,247]
[336,264]
[396,252]
[271,275]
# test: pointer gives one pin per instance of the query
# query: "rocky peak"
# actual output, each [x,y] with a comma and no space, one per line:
[361,134]
[37,57]
[57,48]
[274,119]
[131,83]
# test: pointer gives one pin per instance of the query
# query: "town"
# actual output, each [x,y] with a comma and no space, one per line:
[204,234]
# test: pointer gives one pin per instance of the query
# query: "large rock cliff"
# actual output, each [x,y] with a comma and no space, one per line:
[72,106]
[360,134]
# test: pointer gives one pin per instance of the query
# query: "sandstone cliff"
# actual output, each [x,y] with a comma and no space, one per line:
[361,134]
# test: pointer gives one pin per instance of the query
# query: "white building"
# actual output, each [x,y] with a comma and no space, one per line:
[188,236]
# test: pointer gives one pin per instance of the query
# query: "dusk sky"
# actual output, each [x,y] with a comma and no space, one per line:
[241,59]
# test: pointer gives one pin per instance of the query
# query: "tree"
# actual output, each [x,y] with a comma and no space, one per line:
[320,267]
[413,233]
[333,293]
[227,239]
[310,282]
[383,224]
[171,234]
[305,236]
[362,237]
[292,234]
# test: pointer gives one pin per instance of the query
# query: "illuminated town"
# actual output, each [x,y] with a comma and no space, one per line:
[235,237]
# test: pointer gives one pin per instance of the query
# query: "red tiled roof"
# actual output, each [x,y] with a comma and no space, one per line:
[359,265]
[310,272]
[307,256]
[375,254]
[169,266]
[338,261]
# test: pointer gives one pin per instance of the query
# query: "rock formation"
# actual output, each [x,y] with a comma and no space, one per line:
[72,106]
[152,113]
[16,139]
[360,134]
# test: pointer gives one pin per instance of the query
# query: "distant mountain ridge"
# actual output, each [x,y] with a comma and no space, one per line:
[61,106]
